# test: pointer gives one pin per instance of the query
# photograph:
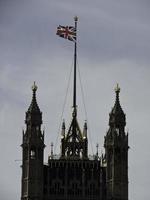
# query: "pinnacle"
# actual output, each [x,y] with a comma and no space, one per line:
[117,88]
[34,106]
[117,115]
[34,87]
[117,107]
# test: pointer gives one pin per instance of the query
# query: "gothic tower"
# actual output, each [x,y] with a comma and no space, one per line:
[32,153]
[116,149]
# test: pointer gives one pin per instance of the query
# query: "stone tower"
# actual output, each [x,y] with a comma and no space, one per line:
[32,153]
[116,148]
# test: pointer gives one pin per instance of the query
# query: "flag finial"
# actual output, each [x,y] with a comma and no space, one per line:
[76,18]
[34,87]
[117,88]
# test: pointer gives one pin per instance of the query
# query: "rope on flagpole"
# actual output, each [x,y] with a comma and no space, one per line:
[84,105]
[63,108]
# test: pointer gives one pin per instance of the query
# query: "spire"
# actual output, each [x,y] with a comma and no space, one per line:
[117,116]
[63,129]
[34,106]
[34,115]
[97,156]
[85,130]
[52,154]
[117,107]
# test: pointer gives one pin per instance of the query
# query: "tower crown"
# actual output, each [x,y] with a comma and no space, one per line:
[34,115]
[117,117]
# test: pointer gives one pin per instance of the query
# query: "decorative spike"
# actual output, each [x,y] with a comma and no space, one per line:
[117,91]
[63,129]
[34,87]
[76,18]
[52,154]
[97,146]
[85,130]
[117,88]
[85,125]
[63,124]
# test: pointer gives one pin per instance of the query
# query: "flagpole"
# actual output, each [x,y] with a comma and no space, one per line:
[75,69]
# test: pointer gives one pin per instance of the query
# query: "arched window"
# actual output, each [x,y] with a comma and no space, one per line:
[32,153]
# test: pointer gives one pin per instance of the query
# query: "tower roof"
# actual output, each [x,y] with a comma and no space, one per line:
[117,116]
[34,115]
[34,108]
[117,107]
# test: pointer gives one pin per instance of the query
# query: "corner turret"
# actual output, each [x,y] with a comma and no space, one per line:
[116,150]
[32,152]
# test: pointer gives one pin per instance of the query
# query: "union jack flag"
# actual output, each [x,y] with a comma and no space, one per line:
[67,32]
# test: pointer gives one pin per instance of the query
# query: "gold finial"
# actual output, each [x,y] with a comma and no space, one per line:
[34,87]
[76,18]
[117,88]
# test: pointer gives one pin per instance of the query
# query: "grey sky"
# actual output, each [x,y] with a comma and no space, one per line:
[114,46]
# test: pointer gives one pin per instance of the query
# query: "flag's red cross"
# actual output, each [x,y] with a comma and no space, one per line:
[66,32]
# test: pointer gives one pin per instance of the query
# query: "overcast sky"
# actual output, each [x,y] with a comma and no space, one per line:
[113,46]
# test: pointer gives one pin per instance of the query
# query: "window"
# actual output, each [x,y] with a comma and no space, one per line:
[32,154]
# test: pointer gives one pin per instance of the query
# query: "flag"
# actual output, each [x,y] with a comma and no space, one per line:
[67,32]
